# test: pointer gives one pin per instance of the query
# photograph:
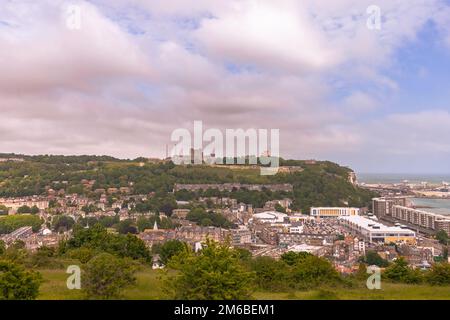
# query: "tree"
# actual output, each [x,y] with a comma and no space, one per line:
[243,254]
[399,271]
[313,271]
[44,257]
[167,207]
[270,274]
[16,283]
[439,274]
[24,209]
[129,246]
[82,254]
[361,274]
[170,249]
[16,252]
[62,223]
[372,258]
[442,237]
[280,208]
[291,257]
[3,210]
[144,223]
[34,210]
[125,227]
[98,238]
[204,218]
[105,276]
[206,222]
[214,273]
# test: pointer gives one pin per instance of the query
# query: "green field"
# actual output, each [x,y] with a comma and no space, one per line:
[149,287]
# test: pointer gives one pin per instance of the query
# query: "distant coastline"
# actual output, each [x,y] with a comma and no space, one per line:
[387,178]
[436,205]
[439,206]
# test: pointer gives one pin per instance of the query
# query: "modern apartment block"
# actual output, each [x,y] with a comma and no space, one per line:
[383,206]
[397,209]
[329,212]
[424,219]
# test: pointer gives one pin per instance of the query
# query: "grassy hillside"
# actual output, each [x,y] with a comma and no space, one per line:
[149,287]
[321,183]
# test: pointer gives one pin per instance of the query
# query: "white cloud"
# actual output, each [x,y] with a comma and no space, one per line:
[38,51]
[267,34]
[269,64]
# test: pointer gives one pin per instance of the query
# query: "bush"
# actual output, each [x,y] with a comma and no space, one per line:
[82,254]
[399,271]
[16,252]
[98,238]
[313,271]
[442,237]
[372,258]
[270,274]
[291,258]
[214,273]
[200,216]
[45,257]
[439,275]
[16,283]
[105,276]
[169,249]
[125,227]
[62,223]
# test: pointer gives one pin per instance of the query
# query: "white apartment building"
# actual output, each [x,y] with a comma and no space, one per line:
[421,218]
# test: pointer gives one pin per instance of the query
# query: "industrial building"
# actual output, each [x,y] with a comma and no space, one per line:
[373,231]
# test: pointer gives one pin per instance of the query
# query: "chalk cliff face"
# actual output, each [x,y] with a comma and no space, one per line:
[352,177]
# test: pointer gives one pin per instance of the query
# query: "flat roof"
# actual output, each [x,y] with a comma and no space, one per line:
[369,224]
[334,208]
[269,215]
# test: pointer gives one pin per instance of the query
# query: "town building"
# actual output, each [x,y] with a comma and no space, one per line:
[384,206]
[15,203]
[373,231]
[270,217]
[328,212]
[234,186]
[19,234]
[241,236]
[424,219]
[180,213]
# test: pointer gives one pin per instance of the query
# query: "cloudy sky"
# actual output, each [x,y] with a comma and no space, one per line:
[130,72]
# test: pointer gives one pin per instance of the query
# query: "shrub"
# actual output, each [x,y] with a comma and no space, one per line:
[399,271]
[16,283]
[439,274]
[105,276]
